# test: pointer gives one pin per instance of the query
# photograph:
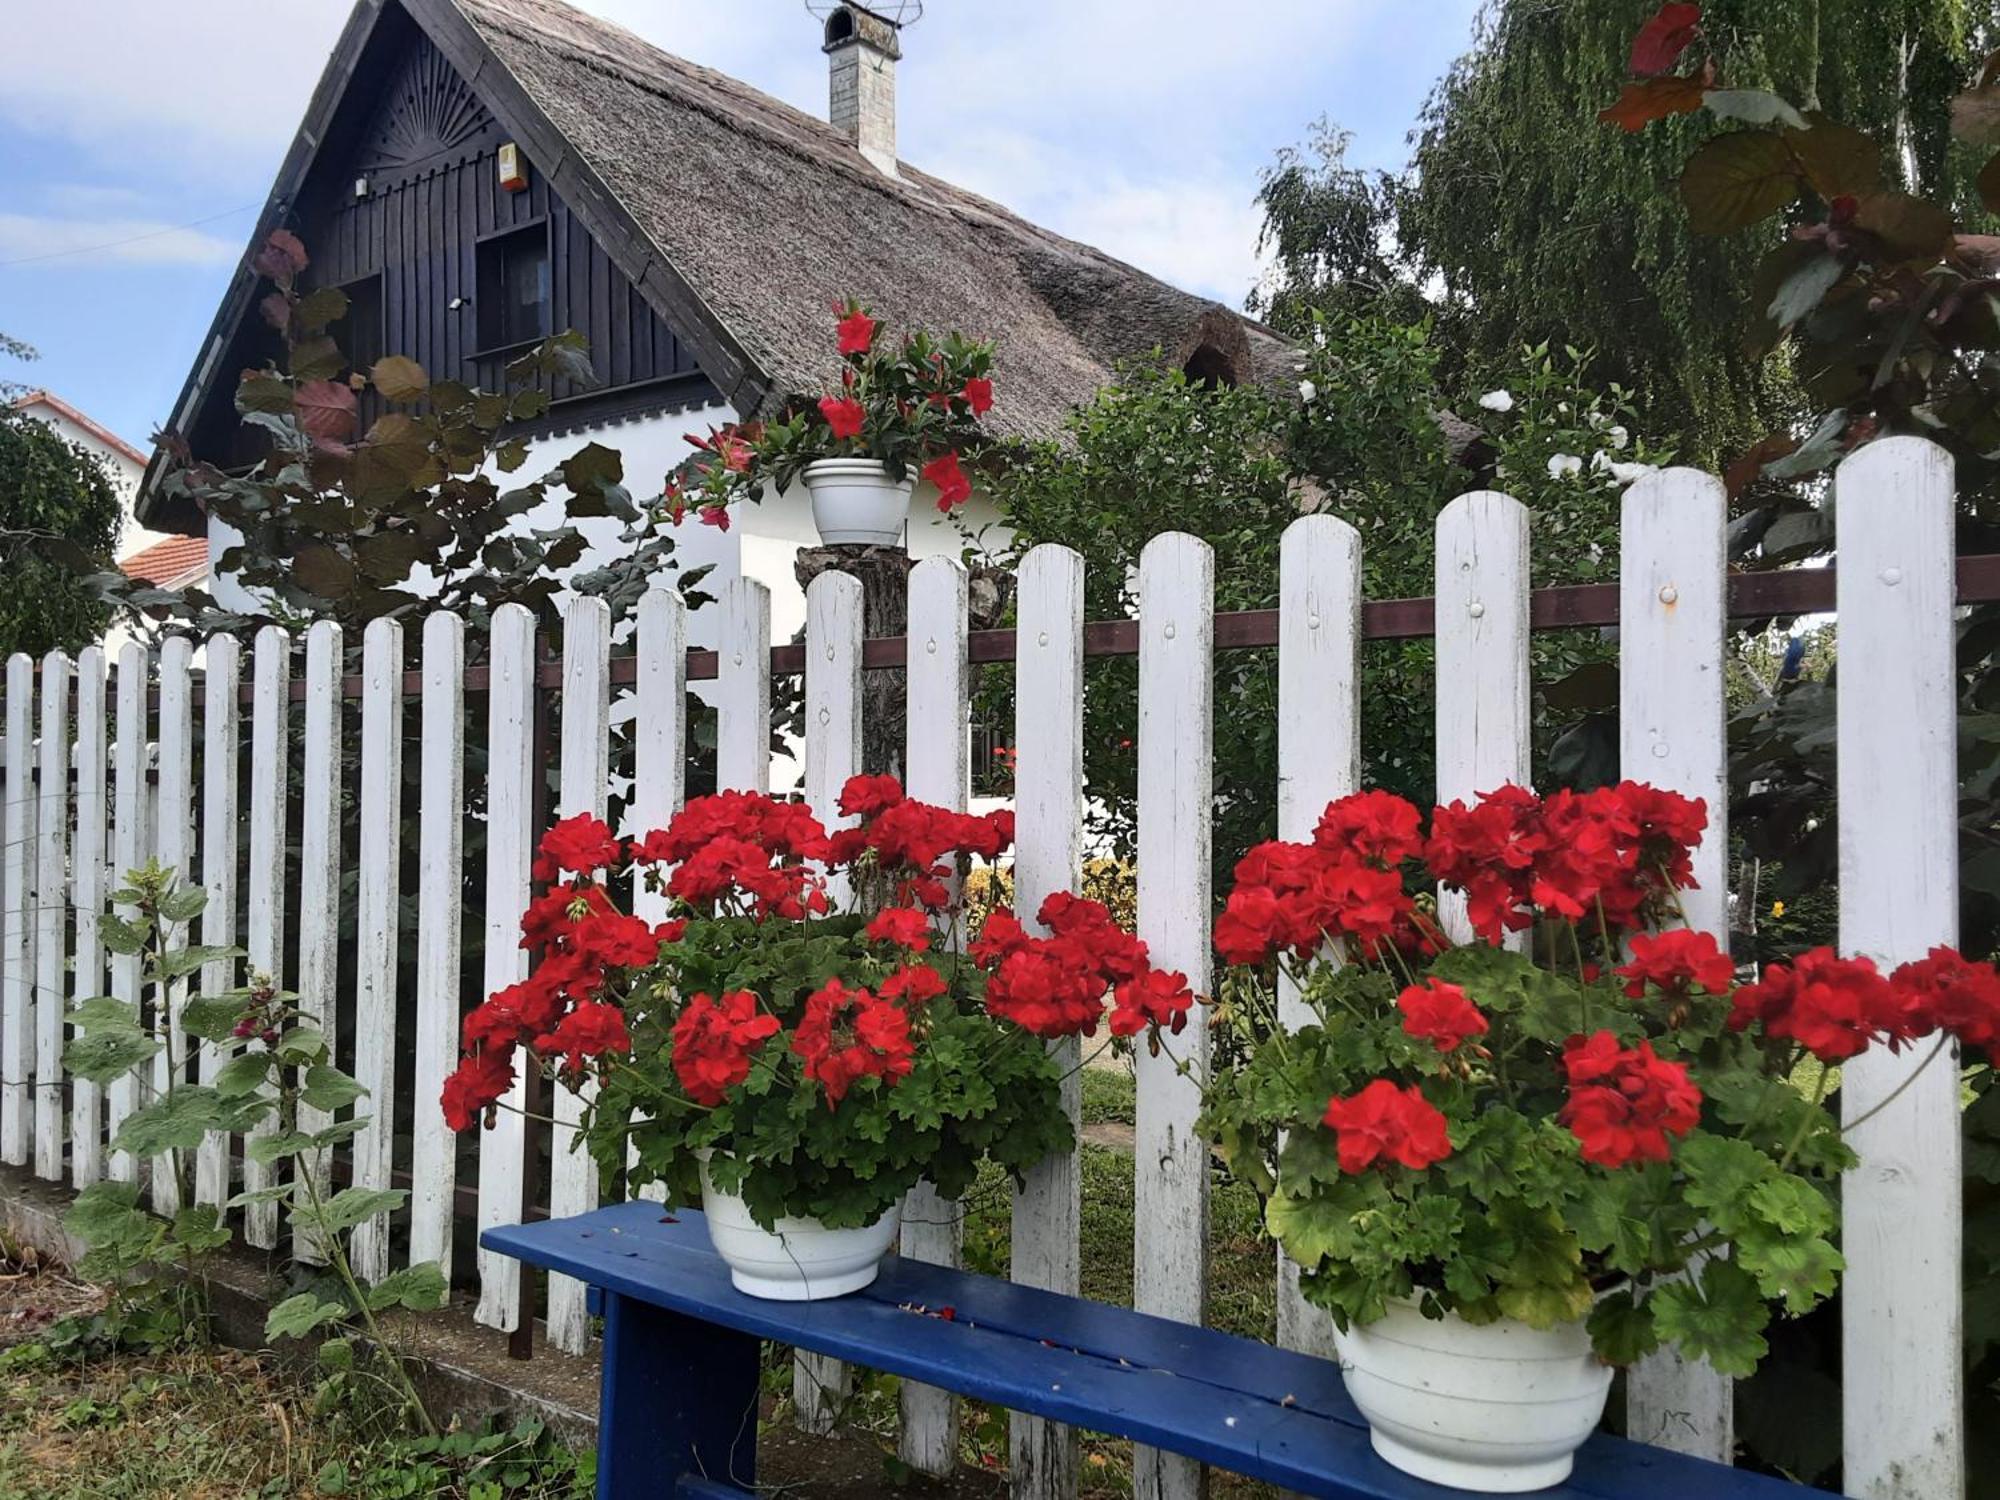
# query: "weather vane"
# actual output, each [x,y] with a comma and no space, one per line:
[898,13]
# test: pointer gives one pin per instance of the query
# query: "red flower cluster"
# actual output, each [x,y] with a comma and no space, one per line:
[953,488]
[1674,962]
[1836,1007]
[1440,1014]
[1055,986]
[915,841]
[1345,884]
[1625,1101]
[743,843]
[714,1041]
[1385,1121]
[1617,852]
[846,1035]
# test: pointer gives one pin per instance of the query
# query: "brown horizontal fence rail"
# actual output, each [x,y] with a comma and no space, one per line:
[1752,596]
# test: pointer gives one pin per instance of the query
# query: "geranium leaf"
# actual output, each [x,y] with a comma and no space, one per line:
[1621,1330]
[1719,1318]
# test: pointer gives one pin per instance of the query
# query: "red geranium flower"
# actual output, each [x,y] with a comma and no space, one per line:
[1440,1014]
[1156,998]
[856,331]
[952,486]
[1372,825]
[475,1086]
[1625,1101]
[866,796]
[1673,961]
[617,940]
[978,394]
[913,985]
[581,844]
[905,926]
[1384,1120]
[846,1035]
[1832,1006]
[713,1043]
[591,1029]
[1945,991]
[843,414]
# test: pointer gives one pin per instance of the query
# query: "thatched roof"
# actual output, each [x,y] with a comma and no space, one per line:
[768,214]
[741,219]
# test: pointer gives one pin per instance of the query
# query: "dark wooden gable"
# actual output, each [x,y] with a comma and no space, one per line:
[402,194]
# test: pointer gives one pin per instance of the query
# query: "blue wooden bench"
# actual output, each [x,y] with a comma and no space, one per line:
[678,1411]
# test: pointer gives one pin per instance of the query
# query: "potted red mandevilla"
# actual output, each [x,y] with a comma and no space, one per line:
[1507,1164]
[801,1040]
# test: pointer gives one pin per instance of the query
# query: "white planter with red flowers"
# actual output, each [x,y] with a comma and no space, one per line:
[910,409]
[855,502]
[1499,1408]
[796,1259]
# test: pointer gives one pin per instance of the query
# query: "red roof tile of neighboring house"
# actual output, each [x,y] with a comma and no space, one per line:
[96,429]
[178,559]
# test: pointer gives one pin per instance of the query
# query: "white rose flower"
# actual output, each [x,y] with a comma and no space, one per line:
[1619,436]
[1565,466]
[1497,401]
[1307,390]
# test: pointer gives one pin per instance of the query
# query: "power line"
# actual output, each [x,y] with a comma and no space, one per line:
[151,234]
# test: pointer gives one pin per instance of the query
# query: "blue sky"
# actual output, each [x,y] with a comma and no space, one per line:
[138,139]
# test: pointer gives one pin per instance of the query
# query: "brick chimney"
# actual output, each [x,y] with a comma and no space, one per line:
[861,50]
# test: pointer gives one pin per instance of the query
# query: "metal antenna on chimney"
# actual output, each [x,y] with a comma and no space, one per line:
[898,13]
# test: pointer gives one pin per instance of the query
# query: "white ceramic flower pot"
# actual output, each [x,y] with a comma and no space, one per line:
[854,501]
[1497,1409]
[801,1260]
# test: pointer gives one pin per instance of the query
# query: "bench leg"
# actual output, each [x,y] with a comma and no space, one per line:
[679,1397]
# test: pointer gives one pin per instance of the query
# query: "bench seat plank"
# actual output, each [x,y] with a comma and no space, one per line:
[1232,1402]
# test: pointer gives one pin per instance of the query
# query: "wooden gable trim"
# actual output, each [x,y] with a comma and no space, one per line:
[604,217]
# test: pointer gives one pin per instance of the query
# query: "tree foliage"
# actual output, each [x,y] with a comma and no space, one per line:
[59,519]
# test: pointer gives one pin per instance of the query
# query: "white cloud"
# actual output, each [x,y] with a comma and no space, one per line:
[26,239]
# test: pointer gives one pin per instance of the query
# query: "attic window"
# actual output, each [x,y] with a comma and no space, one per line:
[1208,367]
[513,297]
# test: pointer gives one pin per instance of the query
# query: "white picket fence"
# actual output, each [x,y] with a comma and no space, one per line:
[1898,850]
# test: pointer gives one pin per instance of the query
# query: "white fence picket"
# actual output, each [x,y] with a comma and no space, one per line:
[319,885]
[510,838]
[659,750]
[1672,619]
[264,877]
[1048,857]
[17,945]
[173,842]
[377,899]
[51,916]
[1482,657]
[937,755]
[1902,1297]
[821,1385]
[586,778]
[1319,759]
[1176,791]
[130,837]
[86,1129]
[440,901]
[743,688]
[221,718]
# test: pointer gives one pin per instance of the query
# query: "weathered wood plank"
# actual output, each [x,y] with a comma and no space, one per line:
[586,777]
[1902,1297]
[1176,789]
[17,942]
[1048,857]
[377,900]
[222,669]
[1673,557]
[743,688]
[659,749]
[173,844]
[89,863]
[440,903]
[937,754]
[1482,657]
[822,1386]
[1319,759]
[264,876]
[51,915]
[129,838]
[510,840]
[319,885]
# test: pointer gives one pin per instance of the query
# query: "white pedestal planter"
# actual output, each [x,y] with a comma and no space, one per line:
[1497,1409]
[801,1260]
[854,501]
